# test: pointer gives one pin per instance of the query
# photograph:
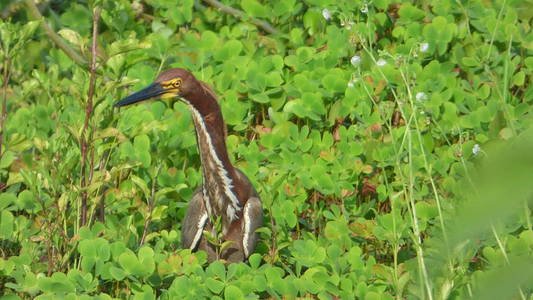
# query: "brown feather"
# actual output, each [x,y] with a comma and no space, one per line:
[208,90]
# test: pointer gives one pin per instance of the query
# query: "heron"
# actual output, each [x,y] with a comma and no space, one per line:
[226,198]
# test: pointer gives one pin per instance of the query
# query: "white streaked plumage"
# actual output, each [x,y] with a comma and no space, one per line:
[207,204]
[226,180]
[246,235]
[199,232]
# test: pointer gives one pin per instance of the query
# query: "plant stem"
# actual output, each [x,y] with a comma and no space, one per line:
[151,204]
[84,140]
[5,76]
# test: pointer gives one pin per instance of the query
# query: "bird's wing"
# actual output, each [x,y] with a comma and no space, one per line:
[194,222]
[252,219]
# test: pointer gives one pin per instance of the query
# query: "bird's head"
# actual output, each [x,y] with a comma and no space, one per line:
[169,84]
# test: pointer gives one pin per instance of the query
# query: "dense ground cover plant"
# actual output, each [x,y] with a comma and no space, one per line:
[390,143]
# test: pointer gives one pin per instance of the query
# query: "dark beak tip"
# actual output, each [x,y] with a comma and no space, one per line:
[120,103]
[149,92]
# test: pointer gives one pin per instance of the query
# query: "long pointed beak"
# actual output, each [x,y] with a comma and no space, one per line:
[149,92]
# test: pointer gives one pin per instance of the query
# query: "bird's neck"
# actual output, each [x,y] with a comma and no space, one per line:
[219,175]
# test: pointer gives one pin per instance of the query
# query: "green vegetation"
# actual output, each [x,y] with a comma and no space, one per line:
[390,143]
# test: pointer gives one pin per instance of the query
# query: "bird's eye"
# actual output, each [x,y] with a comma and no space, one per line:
[176,83]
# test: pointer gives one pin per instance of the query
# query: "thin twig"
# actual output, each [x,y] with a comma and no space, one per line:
[239,14]
[34,14]
[5,76]
[151,204]
[84,141]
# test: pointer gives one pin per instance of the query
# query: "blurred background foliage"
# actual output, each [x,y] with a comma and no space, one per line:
[390,143]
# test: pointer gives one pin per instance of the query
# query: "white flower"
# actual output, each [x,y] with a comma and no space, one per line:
[326,14]
[355,60]
[476,149]
[350,84]
[421,96]
[424,47]
[364,8]
[381,62]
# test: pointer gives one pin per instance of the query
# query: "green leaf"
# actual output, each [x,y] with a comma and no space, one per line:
[470,62]
[289,215]
[7,199]
[336,230]
[87,248]
[254,8]
[72,36]
[117,248]
[129,262]
[313,21]
[232,292]
[8,158]
[142,185]
[71,18]
[141,144]
[484,91]
[6,224]
[519,78]
[146,253]
[87,263]
[308,253]
[29,29]
[334,82]
[255,260]
[230,49]
[57,283]
[439,33]
[209,39]
[146,261]
[408,12]
[117,273]
[123,46]
[260,98]
[425,211]
[217,269]
[216,286]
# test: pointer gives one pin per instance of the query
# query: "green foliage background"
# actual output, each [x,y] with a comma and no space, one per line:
[390,143]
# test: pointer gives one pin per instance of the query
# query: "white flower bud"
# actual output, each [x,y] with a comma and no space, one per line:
[326,14]
[424,47]
[355,60]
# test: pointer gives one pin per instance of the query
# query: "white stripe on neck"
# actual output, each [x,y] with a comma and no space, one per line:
[227,183]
